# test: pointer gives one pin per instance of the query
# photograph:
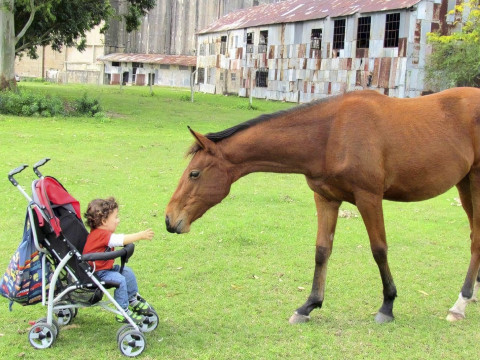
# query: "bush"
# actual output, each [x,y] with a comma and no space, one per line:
[24,103]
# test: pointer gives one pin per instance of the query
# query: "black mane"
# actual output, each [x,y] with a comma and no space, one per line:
[220,135]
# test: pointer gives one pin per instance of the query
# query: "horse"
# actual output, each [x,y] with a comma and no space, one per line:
[361,147]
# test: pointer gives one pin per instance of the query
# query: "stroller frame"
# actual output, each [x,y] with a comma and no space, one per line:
[47,228]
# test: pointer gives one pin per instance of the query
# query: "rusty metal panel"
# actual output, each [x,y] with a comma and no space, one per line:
[384,74]
[184,60]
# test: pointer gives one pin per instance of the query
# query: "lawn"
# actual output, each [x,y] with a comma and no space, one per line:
[227,289]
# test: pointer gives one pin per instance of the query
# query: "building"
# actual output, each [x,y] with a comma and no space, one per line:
[300,50]
[148,69]
[69,65]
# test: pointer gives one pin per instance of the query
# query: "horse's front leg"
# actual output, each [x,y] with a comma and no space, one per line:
[370,207]
[327,214]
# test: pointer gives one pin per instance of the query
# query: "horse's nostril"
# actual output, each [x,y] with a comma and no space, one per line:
[167,221]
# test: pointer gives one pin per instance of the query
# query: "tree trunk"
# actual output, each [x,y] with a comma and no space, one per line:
[7,45]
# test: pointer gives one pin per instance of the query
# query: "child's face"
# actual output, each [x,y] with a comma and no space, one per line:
[112,221]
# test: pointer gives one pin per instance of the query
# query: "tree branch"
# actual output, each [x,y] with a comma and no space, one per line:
[29,22]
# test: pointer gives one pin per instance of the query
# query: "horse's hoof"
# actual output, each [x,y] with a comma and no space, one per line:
[453,316]
[382,318]
[297,318]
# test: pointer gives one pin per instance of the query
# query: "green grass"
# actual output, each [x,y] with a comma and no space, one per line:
[227,289]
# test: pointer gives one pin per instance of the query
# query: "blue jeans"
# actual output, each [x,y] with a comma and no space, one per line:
[128,284]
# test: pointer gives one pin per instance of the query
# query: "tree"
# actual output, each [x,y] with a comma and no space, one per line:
[27,24]
[455,58]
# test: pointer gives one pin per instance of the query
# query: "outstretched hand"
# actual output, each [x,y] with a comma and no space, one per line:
[148,234]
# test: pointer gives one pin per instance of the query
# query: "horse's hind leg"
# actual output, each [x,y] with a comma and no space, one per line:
[469,193]
[327,214]
[370,207]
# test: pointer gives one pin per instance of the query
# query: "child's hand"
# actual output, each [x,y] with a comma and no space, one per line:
[148,234]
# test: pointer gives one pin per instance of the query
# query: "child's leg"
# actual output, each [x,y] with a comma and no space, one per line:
[130,281]
[121,293]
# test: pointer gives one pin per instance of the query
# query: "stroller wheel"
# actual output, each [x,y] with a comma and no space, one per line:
[42,335]
[64,316]
[150,321]
[55,324]
[131,343]
[124,329]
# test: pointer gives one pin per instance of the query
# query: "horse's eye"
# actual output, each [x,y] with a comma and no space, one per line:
[194,174]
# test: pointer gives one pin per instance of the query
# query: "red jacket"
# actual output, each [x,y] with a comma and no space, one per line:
[97,241]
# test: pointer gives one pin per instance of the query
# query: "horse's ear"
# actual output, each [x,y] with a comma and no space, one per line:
[203,141]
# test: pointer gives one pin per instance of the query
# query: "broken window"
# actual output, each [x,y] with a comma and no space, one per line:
[316,39]
[363,32]
[261,77]
[115,63]
[201,76]
[250,42]
[223,45]
[339,34]
[263,41]
[392,27]
[233,76]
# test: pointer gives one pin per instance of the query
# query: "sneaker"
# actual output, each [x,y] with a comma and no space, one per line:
[139,307]
[137,318]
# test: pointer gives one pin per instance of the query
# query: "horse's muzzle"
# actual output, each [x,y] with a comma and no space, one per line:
[171,228]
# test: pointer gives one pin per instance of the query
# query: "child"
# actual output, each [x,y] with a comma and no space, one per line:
[102,218]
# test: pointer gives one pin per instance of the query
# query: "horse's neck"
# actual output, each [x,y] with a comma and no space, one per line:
[274,146]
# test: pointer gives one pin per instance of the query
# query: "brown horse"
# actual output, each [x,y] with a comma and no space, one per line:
[361,147]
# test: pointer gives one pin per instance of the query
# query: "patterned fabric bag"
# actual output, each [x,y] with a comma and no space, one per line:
[22,282]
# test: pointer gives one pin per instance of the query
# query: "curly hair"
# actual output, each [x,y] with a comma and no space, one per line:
[98,210]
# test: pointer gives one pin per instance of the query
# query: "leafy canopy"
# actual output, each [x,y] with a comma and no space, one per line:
[455,59]
[65,22]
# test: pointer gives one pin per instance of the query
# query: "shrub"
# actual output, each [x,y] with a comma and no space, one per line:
[24,103]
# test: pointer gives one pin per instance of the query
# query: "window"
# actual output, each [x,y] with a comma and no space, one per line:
[233,76]
[223,45]
[316,39]
[115,63]
[202,50]
[137,65]
[164,66]
[261,77]
[363,32]
[250,42]
[211,75]
[211,49]
[183,67]
[201,76]
[263,42]
[392,27]
[339,34]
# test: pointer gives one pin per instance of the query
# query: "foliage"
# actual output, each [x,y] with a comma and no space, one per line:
[65,23]
[27,103]
[455,59]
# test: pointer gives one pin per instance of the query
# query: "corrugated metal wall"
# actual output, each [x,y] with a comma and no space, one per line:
[171,26]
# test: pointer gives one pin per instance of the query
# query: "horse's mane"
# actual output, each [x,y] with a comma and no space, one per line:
[220,135]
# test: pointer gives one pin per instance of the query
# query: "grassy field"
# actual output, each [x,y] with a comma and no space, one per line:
[227,289]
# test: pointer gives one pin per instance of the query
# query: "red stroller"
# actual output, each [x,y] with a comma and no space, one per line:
[59,233]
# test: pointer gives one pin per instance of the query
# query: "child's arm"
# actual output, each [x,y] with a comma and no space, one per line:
[142,235]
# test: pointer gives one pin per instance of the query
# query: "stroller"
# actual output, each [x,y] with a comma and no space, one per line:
[60,235]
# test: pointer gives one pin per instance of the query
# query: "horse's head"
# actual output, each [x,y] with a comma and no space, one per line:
[204,183]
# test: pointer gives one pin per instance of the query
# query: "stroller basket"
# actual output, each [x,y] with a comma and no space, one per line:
[59,235]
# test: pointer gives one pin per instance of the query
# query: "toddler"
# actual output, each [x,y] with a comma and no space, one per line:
[102,218]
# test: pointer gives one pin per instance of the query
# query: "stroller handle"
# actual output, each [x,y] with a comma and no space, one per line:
[15,172]
[38,164]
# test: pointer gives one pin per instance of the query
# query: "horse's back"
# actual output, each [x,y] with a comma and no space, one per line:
[413,148]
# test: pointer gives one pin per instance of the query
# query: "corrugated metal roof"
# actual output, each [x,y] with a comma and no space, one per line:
[301,10]
[184,60]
